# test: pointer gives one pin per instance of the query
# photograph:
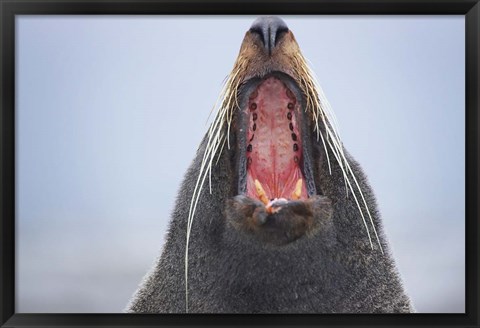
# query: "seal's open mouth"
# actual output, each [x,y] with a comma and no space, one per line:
[274,142]
[274,150]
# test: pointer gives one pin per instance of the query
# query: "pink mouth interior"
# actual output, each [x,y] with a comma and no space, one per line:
[274,146]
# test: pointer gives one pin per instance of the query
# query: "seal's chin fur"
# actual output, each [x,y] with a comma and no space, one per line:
[246,236]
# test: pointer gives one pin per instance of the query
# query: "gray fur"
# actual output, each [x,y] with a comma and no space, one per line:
[333,270]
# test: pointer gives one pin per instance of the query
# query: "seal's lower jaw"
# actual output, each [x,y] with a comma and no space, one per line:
[274,150]
[290,221]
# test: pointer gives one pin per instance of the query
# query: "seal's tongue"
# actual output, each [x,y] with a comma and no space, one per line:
[274,147]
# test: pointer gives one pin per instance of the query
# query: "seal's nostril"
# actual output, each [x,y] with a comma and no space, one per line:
[270,30]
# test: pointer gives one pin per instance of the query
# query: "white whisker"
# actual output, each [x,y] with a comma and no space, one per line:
[361,193]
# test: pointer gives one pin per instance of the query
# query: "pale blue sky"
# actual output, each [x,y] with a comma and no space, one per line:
[111,109]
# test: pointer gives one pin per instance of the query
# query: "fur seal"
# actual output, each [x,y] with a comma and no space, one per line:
[273,215]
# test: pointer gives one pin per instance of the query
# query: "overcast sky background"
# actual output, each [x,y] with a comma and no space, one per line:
[110,111]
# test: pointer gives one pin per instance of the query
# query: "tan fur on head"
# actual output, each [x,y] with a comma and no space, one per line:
[259,63]
[286,57]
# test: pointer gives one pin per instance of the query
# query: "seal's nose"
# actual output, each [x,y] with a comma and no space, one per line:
[270,29]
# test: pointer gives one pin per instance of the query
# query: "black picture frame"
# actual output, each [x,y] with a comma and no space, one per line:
[10,8]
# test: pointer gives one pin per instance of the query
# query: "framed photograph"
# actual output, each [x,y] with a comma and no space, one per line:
[132,175]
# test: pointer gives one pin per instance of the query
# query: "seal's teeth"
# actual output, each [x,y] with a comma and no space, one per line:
[298,190]
[271,209]
[261,192]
